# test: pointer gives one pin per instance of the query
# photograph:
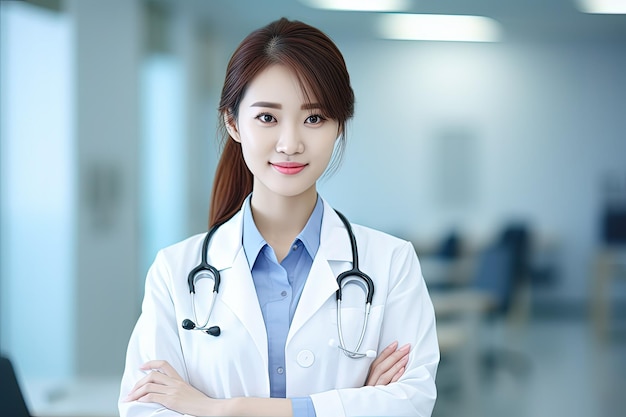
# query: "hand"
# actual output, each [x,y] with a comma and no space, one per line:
[389,366]
[163,385]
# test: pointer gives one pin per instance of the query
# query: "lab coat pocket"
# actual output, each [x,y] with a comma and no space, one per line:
[352,372]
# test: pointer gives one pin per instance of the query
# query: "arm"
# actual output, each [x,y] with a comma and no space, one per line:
[156,337]
[163,385]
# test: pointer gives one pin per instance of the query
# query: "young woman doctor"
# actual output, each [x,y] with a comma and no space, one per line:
[284,106]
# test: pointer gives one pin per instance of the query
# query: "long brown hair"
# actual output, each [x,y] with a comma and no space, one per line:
[322,73]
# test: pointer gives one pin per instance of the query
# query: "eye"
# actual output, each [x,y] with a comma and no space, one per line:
[266,118]
[315,119]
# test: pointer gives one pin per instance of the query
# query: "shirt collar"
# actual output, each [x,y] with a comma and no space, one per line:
[253,242]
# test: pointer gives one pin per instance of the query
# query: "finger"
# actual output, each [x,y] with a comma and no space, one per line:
[391,359]
[154,394]
[161,366]
[146,389]
[398,374]
[154,377]
[392,371]
[385,353]
[375,369]
[387,369]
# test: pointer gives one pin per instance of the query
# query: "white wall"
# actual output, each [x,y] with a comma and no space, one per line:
[547,122]
[108,51]
[38,190]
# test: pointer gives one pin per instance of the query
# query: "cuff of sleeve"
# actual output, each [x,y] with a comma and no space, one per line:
[303,407]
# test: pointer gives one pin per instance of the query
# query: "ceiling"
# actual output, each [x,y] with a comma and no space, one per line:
[522,20]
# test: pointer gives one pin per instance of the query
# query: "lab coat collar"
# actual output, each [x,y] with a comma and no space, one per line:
[237,290]
[321,283]
[227,241]
[334,241]
[334,254]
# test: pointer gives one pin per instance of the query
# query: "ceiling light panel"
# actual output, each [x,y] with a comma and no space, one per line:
[602,6]
[431,27]
[360,5]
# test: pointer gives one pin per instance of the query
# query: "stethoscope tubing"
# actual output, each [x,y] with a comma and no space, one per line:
[343,279]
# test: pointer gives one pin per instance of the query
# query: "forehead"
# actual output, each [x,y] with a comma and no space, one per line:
[280,84]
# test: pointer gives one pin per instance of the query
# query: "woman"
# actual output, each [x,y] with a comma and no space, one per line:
[279,249]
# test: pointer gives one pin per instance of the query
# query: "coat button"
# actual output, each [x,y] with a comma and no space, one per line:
[305,358]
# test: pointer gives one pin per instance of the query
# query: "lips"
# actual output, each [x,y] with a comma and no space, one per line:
[288,168]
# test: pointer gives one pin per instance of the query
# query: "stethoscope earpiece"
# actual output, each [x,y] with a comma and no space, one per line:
[188,324]
[214,331]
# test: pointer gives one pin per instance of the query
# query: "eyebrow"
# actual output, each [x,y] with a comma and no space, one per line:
[308,106]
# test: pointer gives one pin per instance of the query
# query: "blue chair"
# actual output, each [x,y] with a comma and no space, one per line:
[501,269]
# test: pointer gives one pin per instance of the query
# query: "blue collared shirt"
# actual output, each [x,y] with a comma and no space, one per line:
[279,287]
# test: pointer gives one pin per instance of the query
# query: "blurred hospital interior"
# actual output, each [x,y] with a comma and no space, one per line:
[498,148]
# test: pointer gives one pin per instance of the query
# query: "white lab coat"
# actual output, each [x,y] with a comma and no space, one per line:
[236,363]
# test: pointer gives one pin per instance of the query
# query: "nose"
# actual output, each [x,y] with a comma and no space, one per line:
[290,141]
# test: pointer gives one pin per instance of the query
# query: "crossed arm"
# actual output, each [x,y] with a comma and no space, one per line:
[164,385]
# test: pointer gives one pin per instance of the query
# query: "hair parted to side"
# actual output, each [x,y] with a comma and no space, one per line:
[322,72]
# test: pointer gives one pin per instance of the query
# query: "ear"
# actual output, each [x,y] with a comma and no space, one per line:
[231,126]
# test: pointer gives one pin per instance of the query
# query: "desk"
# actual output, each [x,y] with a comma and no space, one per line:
[464,301]
[609,265]
[81,397]
[444,272]
[459,315]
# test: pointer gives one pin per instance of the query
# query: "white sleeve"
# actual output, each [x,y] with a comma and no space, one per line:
[409,318]
[155,336]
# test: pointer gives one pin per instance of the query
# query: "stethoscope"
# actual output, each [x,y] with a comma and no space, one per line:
[354,275]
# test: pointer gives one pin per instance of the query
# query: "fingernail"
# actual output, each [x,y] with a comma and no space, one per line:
[393,345]
[405,348]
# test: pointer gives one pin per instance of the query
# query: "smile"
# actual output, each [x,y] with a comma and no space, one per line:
[288,168]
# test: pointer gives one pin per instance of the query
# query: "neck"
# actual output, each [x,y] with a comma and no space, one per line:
[280,219]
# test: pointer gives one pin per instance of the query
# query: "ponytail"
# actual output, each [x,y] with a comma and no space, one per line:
[232,184]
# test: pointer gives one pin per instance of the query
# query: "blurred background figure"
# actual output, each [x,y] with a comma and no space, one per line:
[500,124]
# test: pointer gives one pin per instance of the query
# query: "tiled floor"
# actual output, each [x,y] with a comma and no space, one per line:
[562,369]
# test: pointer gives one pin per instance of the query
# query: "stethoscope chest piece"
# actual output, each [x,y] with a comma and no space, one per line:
[203,271]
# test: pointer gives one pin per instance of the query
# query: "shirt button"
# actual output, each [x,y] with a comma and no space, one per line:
[280,370]
[294,247]
[284,293]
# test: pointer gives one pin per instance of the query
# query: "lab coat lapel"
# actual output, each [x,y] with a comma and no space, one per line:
[334,254]
[237,287]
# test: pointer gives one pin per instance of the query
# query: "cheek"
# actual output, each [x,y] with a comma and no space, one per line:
[326,147]
[255,141]
[256,153]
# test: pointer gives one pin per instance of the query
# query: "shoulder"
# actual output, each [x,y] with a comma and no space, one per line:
[223,246]
[180,254]
[390,261]
[381,243]
[187,245]
[368,239]
[377,236]
[332,219]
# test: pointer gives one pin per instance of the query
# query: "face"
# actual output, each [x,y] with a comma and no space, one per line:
[287,141]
